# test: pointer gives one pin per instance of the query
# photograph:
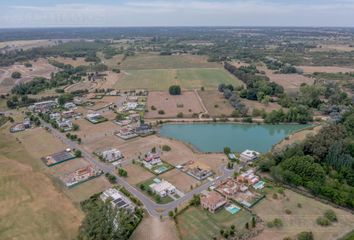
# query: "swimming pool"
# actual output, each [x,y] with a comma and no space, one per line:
[161,169]
[232,209]
[259,185]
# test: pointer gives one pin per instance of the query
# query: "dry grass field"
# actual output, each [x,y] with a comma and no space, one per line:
[180,180]
[89,85]
[290,82]
[40,68]
[326,69]
[27,44]
[137,174]
[111,63]
[186,103]
[80,61]
[155,61]
[215,103]
[301,218]
[152,228]
[31,206]
[187,78]
[333,47]
[257,105]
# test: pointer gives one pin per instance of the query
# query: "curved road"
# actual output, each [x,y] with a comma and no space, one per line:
[154,209]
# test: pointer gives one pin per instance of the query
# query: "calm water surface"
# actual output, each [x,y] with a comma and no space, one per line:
[214,137]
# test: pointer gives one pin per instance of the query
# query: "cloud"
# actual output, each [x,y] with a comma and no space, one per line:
[178,13]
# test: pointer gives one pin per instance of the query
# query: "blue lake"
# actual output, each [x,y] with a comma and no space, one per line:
[213,137]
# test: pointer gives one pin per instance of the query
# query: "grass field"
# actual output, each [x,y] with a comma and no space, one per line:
[162,79]
[198,224]
[302,218]
[155,61]
[31,206]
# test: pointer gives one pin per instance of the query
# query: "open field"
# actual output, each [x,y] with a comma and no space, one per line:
[31,206]
[180,180]
[162,79]
[111,63]
[27,44]
[40,68]
[290,82]
[333,47]
[186,103]
[198,224]
[257,105]
[80,61]
[215,103]
[312,69]
[152,228]
[137,174]
[110,80]
[301,218]
[155,61]
[89,85]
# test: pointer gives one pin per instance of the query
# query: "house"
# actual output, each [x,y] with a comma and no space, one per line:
[95,118]
[131,106]
[68,114]
[65,125]
[126,133]
[197,169]
[78,100]
[27,123]
[162,188]
[134,117]
[248,177]
[69,105]
[249,155]
[152,158]
[111,155]
[143,129]
[212,201]
[81,175]
[117,199]
[45,106]
[54,116]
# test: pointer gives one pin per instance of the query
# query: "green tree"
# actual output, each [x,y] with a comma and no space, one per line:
[175,90]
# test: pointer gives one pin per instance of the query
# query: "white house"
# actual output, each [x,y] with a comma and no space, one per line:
[163,188]
[249,155]
[55,116]
[69,105]
[117,199]
[152,158]
[131,105]
[111,155]
[66,125]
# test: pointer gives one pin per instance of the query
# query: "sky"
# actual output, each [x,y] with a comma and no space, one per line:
[125,13]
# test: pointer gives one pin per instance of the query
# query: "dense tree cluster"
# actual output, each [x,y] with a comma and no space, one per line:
[323,163]
[175,90]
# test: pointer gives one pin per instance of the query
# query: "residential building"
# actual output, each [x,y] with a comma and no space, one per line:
[117,199]
[69,105]
[65,125]
[143,129]
[212,201]
[111,155]
[163,188]
[45,106]
[152,158]
[249,155]
[248,177]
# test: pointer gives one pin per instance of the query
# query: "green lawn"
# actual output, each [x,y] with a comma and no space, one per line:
[197,224]
[155,61]
[162,79]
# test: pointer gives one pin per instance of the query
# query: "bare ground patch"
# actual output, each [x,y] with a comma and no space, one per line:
[215,103]
[186,103]
[180,180]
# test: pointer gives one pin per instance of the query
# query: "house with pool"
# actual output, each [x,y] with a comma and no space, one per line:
[212,201]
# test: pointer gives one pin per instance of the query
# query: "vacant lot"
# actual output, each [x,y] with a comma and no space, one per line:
[198,224]
[301,218]
[40,68]
[257,105]
[111,63]
[155,61]
[290,82]
[186,103]
[162,79]
[81,86]
[215,103]
[152,228]
[80,61]
[137,174]
[27,44]
[31,207]
[333,47]
[312,69]
[180,180]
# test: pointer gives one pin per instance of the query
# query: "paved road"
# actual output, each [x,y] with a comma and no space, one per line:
[153,208]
